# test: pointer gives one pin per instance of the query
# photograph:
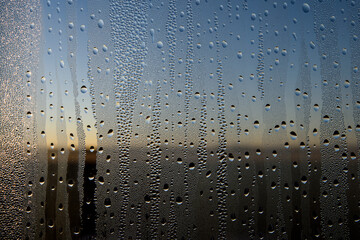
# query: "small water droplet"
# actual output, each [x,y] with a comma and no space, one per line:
[312,45]
[28,74]
[224,44]
[70,183]
[267,107]
[253,16]
[110,133]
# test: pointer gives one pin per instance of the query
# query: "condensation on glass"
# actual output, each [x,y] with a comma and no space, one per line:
[193,119]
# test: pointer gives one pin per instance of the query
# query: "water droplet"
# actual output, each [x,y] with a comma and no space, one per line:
[179,200]
[107,202]
[83,89]
[267,107]
[344,51]
[239,54]
[358,104]
[28,74]
[305,8]
[224,44]
[110,133]
[191,166]
[70,183]
[312,45]
[253,16]
[326,118]
[101,23]
[160,44]
[316,107]
[293,135]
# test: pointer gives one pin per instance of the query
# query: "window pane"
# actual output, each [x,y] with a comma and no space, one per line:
[196,119]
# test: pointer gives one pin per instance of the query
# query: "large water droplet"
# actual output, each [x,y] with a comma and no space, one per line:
[305,8]
[107,202]
[160,44]
[293,135]
[83,89]
[101,23]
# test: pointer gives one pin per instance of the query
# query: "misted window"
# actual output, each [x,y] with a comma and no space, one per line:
[179,119]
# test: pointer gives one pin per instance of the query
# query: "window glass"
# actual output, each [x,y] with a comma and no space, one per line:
[179,119]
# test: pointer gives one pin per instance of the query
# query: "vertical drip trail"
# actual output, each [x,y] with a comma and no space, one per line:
[261,64]
[75,158]
[201,151]
[88,161]
[171,37]
[188,95]
[155,165]
[138,221]
[304,78]
[171,27]
[128,24]
[172,217]
[62,223]
[221,181]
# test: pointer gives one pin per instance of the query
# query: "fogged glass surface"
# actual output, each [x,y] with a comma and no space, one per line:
[179,119]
